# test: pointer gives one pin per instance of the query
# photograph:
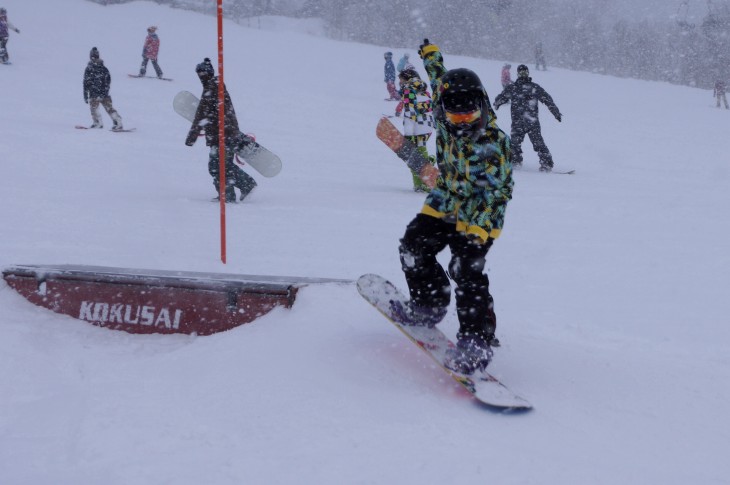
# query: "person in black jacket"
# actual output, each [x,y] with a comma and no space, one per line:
[524,95]
[97,82]
[206,118]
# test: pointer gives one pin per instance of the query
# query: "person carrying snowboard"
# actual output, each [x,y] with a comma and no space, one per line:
[206,118]
[149,52]
[464,211]
[97,82]
[524,96]
[719,93]
[415,106]
[5,28]
[390,77]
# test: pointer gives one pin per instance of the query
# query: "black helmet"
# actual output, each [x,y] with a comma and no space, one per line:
[408,74]
[205,69]
[464,104]
[522,71]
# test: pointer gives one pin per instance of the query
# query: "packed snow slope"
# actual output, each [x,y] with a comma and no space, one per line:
[611,285]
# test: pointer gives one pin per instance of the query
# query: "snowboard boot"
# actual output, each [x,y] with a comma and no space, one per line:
[96,125]
[411,314]
[470,354]
[247,188]
[546,168]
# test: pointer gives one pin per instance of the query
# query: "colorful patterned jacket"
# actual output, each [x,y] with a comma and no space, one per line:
[151,47]
[476,183]
[416,108]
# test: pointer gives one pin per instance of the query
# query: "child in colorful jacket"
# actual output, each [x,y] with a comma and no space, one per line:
[464,211]
[415,106]
[150,51]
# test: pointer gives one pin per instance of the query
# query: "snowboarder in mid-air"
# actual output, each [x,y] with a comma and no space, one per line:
[5,28]
[150,51]
[464,211]
[524,96]
[206,118]
[97,82]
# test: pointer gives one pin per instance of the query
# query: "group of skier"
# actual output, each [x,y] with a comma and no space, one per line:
[97,80]
[96,86]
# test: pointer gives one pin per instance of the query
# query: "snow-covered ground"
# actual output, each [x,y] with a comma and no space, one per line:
[611,285]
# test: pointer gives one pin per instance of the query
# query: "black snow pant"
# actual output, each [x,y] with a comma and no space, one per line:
[428,283]
[143,68]
[519,130]
[3,49]
[235,176]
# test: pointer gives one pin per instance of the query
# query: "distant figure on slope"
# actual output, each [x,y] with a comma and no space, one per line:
[97,82]
[719,93]
[206,118]
[524,96]
[5,28]
[149,52]
[402,63]
[506,76]
[417,116]
[390,77]
[464,212]
[540,57]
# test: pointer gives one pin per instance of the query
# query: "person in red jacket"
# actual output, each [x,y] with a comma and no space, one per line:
[506,76]
[149,52]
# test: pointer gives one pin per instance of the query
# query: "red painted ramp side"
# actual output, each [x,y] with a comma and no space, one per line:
[155,301]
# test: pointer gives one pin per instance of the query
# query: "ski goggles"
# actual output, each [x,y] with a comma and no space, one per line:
[463,118]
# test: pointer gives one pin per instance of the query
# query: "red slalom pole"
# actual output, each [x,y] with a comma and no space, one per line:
[221,134]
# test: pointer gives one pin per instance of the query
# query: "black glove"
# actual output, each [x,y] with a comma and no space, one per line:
[191,139]
[426,48]
[86,100]
[559,117]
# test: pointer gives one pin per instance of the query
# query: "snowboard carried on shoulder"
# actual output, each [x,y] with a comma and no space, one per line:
[380,292]
[407,151]
[264,161]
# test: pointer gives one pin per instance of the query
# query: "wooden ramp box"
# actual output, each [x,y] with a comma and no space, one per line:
[153,301]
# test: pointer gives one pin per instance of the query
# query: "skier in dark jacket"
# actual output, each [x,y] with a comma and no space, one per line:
[97,82]
[524,96]
[5,28]
[206,118]
[464,211]
[389,72]
[719,93]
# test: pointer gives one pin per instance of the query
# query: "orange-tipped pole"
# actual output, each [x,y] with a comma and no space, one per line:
[221,134]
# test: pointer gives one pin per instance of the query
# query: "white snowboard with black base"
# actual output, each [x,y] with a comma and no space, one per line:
[380,292]
[262,160]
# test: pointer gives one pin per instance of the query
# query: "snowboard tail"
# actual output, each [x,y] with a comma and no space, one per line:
[259,157]
[406,151]
[486,388]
